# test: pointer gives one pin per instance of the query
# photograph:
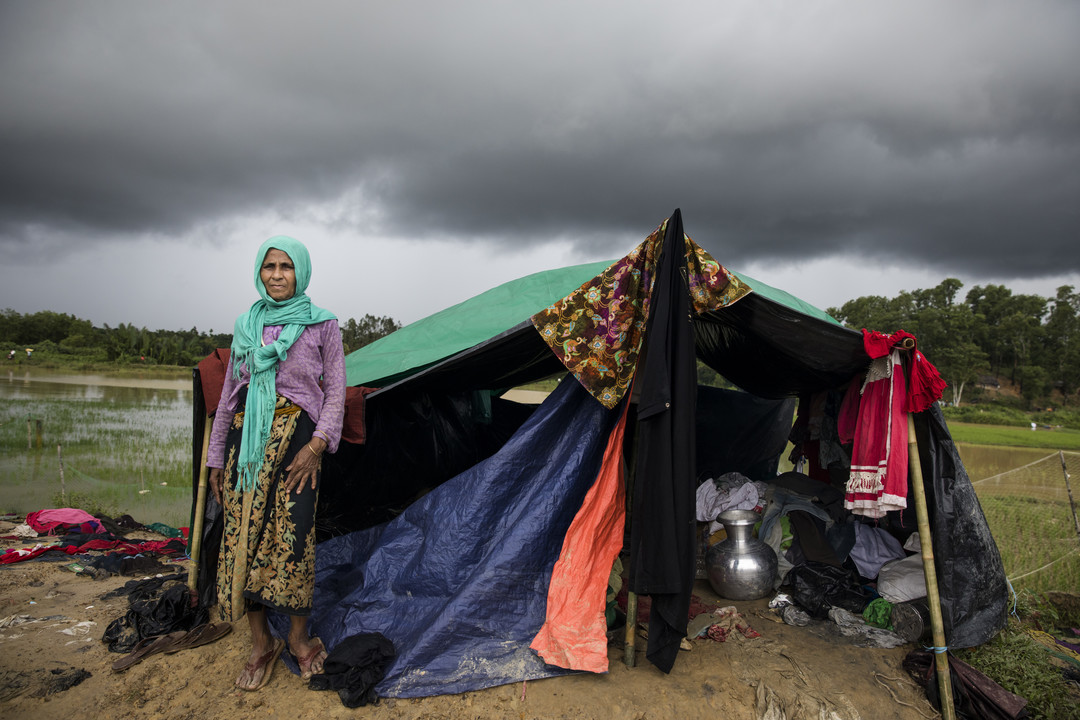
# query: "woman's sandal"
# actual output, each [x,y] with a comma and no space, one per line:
[147,647]
[200,635]
[265,663]
[306,661]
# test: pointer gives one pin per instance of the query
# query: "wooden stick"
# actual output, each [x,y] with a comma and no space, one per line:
[1068,488]
[195,538]
[941,657]
[60,458]
[630,631]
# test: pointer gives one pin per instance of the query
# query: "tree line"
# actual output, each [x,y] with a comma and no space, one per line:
[1032,341]
[59,335]
[990,332]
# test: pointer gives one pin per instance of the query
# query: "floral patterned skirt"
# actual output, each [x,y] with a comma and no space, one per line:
[268,545]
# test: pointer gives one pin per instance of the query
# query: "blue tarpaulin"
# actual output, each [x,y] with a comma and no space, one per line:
[458,582]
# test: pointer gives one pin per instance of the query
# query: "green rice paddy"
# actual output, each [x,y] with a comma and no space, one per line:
[122,453]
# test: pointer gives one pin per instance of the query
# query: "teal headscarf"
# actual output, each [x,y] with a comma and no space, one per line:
[295,314]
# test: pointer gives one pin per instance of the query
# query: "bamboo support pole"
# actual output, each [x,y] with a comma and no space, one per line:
[629,649]
[630,631]
[1068,488]
[941,656]
[195,538]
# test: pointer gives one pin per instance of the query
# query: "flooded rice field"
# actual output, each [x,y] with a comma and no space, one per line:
[122,445]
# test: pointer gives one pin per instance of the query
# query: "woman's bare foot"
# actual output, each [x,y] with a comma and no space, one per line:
[260,665]
[309,653]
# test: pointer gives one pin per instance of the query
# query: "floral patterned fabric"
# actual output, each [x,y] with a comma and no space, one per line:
[268,546]
[597,331]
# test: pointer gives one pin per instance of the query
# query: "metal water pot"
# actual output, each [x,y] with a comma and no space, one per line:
[742,567]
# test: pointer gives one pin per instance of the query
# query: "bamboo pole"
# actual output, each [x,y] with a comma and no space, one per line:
[1068,488]
[195,538]
[941,657]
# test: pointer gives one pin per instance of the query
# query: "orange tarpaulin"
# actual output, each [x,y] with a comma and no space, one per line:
[574,634]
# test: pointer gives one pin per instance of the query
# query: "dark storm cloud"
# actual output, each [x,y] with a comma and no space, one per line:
[928,132]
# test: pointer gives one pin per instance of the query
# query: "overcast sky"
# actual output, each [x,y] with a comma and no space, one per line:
[426,151]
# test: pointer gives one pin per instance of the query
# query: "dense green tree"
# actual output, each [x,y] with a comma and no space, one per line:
[1061,356]
[991,304]
[355,335]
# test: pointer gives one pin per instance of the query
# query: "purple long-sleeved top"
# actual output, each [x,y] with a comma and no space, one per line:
[317,352]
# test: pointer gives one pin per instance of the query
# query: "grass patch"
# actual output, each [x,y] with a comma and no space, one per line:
[1036,539]
[979,434]
[1022,665]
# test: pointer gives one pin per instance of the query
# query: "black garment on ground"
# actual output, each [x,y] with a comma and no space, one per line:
[975,696]
[817,587]
[155,607]
[117,564]
[662,551]
[355,667]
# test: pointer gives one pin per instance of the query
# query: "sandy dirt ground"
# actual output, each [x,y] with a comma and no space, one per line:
[789,672]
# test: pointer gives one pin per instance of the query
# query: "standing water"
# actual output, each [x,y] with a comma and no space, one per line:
[124,444]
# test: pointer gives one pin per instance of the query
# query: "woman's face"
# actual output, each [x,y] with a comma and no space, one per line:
[278,275]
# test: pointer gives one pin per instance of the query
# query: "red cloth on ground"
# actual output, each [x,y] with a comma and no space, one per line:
[48,522]
[14,555]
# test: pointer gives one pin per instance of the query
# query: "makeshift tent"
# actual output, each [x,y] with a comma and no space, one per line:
[477,534]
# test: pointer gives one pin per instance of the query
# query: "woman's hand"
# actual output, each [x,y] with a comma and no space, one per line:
[305,466]
[215,479]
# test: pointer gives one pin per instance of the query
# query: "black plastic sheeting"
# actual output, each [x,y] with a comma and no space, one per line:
[415,442]
[512,358]
[739,432]
[971,578]
[773,351]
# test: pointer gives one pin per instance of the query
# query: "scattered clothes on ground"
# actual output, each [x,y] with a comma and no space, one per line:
[172,642]
[730,491]
[795,616]
[166,530]
[83,543]
[39,683]
[59,521]
[355,667]
[904,579]
[728,621]
[817,587]
[874,546]
[879,613]
[156,606]
[852,625]
[21,531]
[128,565]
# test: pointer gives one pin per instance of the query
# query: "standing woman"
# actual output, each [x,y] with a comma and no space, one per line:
[273,423]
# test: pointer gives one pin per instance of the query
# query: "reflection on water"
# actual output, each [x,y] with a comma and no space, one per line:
[39,385]
[983,461]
